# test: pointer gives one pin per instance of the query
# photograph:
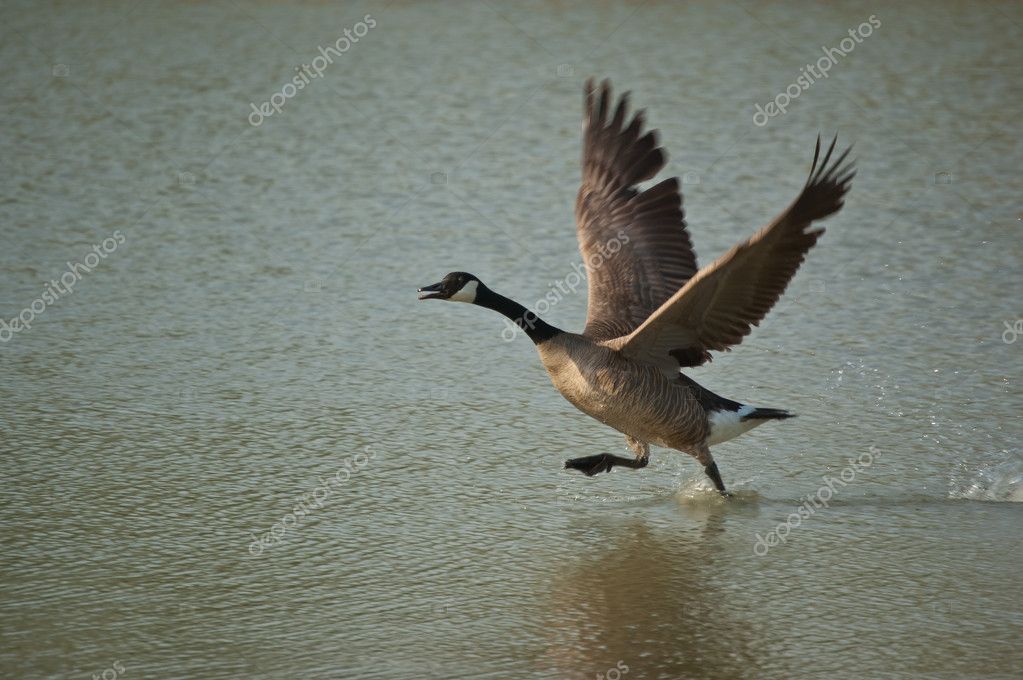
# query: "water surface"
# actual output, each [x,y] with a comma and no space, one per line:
[255,345]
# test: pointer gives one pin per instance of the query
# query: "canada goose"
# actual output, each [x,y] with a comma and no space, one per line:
[651,312]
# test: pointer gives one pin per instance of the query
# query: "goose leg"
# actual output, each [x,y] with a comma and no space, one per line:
[603,462]
[641,449]
[711,468]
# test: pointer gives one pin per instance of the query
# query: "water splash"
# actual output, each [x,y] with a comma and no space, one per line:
[1002,482]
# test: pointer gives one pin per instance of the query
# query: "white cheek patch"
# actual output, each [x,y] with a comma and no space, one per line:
[466,294]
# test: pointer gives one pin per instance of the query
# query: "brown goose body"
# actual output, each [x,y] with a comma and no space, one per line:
[652,312]
[632,397]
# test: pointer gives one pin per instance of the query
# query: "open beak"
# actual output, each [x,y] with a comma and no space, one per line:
[428,292]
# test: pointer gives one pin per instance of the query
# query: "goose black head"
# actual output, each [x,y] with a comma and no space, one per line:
[456,287]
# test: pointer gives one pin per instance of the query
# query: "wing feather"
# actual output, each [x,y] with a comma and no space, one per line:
[635,244]
[721,304]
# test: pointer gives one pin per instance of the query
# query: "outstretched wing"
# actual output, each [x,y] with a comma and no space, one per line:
[720,305]
[635,244]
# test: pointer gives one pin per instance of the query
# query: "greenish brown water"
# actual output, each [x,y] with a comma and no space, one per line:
[254,345]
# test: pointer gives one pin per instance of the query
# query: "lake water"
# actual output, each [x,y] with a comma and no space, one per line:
[247,348]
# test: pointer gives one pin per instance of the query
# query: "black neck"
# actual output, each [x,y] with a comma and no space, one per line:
[536,328]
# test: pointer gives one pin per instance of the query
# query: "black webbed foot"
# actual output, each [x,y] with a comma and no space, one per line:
[603,462]
[591,465]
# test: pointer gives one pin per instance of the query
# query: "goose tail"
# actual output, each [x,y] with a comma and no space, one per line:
[728,423]
[768,414]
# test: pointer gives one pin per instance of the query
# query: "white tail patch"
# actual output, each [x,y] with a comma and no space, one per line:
[725,425]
